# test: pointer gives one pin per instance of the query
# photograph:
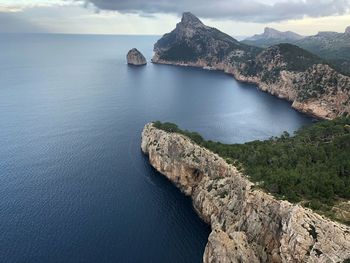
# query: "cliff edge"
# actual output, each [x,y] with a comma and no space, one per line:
[248,225]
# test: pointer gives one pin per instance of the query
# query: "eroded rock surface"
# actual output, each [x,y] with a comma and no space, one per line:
[248,225]
[135,57]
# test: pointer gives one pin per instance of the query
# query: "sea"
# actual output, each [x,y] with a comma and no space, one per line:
[74,184]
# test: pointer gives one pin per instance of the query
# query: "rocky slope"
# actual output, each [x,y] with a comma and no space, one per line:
[283,70]
[330,45]
[135,57]
[333,46]
[247,224]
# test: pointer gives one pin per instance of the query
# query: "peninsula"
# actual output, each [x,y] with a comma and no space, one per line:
[248,224]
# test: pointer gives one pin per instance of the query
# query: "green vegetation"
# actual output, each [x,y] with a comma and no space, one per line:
[171,127]
[180,52]
[332,47]
[297,58]
[312,167]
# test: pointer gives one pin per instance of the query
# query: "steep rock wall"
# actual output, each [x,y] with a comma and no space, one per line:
[248,225]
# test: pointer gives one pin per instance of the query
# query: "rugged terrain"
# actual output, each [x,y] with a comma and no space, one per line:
[248,225]
[284,70]
[333,46]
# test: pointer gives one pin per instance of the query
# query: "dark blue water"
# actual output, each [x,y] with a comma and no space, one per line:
[74,185]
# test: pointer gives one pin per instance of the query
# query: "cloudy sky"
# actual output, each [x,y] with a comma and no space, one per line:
[156,17]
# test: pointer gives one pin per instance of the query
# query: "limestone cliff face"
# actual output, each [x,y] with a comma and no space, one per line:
[135,57]
[283,70]
[248,225]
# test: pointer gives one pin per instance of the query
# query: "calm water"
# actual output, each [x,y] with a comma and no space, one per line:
[74,185]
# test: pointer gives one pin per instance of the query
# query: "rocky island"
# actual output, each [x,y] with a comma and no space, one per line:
[248,224]
[310,83]
[135,57]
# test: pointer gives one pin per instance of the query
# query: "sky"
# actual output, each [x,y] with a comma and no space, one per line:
[156,17]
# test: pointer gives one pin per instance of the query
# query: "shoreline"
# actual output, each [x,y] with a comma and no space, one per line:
[298,106]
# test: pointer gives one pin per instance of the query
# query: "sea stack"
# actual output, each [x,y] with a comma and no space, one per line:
[135,57]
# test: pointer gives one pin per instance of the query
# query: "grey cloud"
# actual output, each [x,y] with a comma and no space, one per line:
[254,11]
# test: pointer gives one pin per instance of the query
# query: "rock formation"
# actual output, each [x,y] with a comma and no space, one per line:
[284,70]
[248,225]
[135,57]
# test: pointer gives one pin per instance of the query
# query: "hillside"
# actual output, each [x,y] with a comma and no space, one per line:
[311,167]
[331,46]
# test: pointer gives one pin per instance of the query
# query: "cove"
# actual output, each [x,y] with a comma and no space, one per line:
[75,186]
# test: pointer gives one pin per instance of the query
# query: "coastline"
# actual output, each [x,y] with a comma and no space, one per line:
[247,224]
[313,109]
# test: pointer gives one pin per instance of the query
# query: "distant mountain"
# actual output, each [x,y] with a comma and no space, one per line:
[284,70]
[332,46]
[271,37]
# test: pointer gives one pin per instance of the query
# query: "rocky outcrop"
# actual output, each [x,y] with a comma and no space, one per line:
[135,57]
[248,225]
[283,70]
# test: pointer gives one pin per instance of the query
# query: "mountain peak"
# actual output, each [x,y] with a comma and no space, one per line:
[269,30]
[190,19]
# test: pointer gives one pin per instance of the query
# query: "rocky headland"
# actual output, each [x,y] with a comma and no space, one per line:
[248,225]
[135,57]
[284,70]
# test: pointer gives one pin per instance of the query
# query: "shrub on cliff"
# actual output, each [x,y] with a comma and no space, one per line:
[171,127]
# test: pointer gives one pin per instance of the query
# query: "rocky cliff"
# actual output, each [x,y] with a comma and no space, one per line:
[248,225]
[284,70]
[135,57]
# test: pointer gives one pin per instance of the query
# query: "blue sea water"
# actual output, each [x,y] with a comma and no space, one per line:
[74,184]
